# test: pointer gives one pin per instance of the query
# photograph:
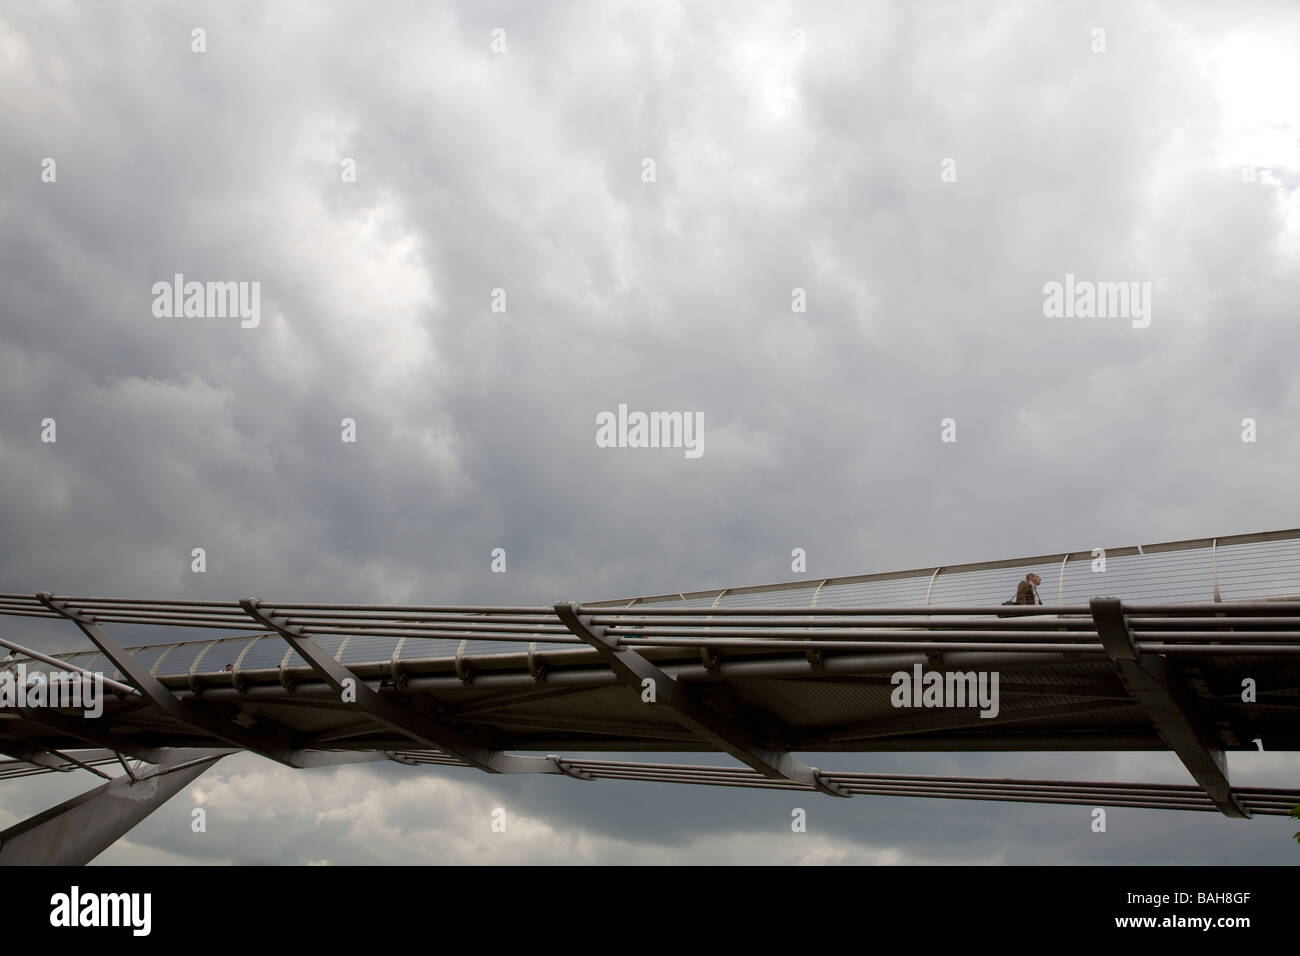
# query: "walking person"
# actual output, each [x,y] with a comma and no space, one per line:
[1027,590]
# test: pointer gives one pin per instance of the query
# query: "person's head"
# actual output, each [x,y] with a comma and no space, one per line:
[1033,579]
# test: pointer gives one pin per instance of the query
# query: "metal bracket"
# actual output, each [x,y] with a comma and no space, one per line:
[535,667]
[395,669]
[567,768]
[463,670]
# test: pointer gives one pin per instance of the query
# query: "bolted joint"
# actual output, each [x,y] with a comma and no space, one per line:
[568,611]
[253,608]
[567,768]
[828,787]
[61,607]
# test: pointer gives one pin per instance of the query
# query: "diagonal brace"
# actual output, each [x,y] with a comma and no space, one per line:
[277,747]
[1153,685]
[721,731]
[50,759]
[417,726]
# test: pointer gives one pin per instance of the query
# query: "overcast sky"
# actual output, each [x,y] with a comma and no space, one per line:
[649,184]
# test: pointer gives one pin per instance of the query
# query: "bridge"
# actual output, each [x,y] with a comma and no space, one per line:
[1189,646]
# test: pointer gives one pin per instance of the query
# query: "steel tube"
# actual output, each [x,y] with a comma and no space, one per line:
[64,665]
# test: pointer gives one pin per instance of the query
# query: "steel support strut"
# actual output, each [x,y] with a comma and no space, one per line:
[418,727]
[1153,685]
[50,759]
[278,747]
[721,731]
[78,830]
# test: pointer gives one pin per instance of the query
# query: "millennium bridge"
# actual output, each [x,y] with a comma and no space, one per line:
[1188,646]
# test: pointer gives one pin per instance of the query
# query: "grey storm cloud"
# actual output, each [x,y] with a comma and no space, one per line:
[795,147]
